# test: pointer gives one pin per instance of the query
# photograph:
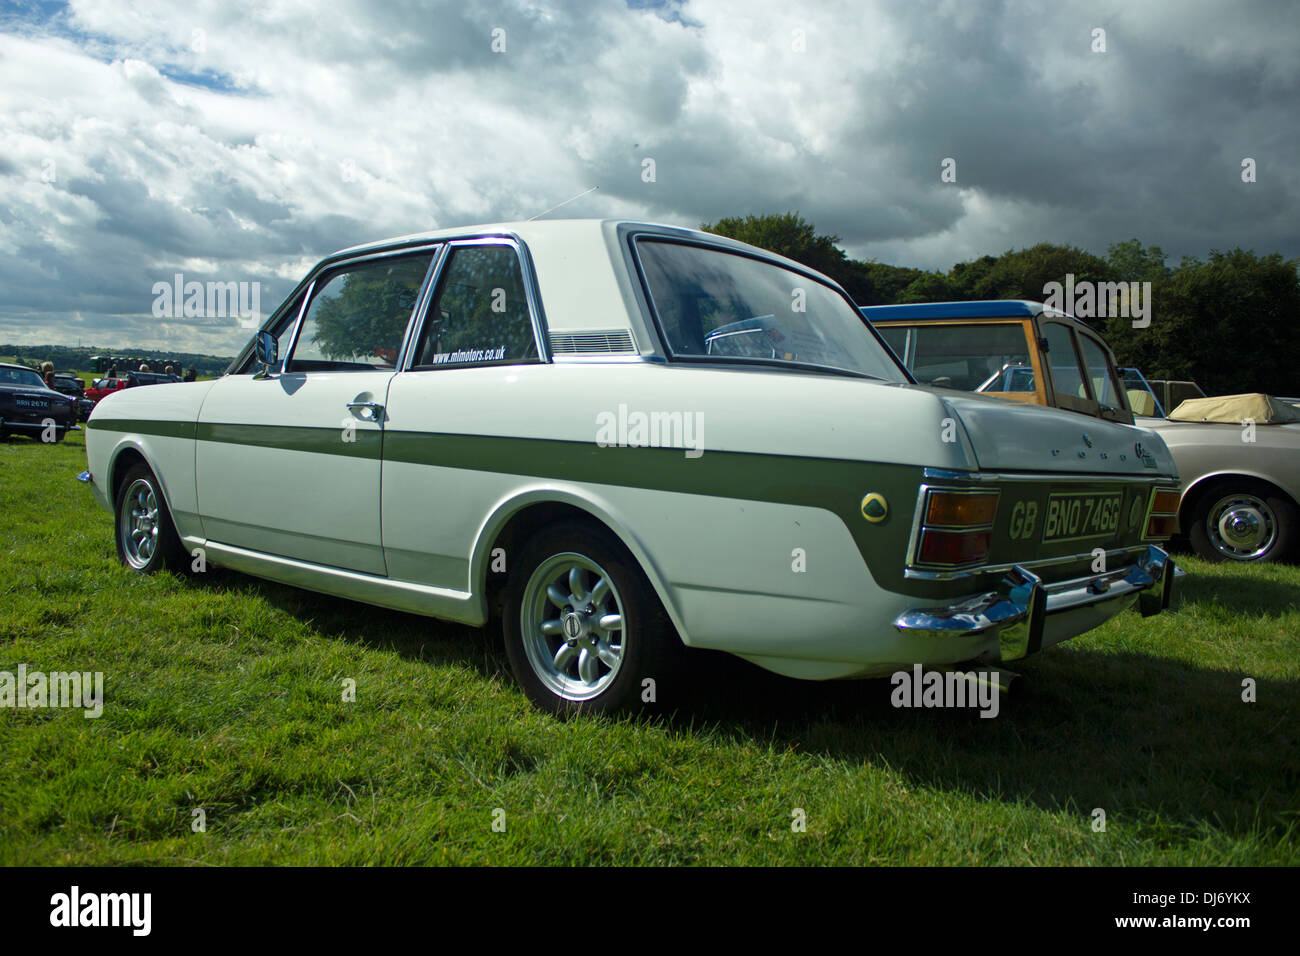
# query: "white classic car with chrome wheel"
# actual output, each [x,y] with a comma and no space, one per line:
[624,440]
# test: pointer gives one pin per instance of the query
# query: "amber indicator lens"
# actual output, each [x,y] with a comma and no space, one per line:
[952,510]
[1166,501]
[1162,526]
[954,548]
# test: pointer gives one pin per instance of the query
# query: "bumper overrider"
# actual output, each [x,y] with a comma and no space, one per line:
[1018,611]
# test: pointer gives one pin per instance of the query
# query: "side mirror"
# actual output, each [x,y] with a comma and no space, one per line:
[266,349]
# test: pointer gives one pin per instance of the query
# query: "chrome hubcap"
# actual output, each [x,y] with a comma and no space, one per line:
[138,523]
[1241,526]
[571,619]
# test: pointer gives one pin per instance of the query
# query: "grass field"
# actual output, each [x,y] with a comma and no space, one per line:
[224,693]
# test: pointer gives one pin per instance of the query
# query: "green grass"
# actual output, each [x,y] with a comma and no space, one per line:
[223,692]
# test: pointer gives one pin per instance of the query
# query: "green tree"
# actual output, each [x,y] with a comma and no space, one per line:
[790,235]
[1228,324]
[1130,262]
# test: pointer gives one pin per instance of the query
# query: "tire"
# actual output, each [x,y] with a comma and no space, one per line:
[608,669]
[1243,521]
[146,538]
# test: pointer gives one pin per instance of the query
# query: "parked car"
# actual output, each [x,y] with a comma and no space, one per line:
[532,422]
[1013,349]
[1239,488]
[102,387]
[1239,460]
[106,386]
[69,384]
[65,383]
[28,406]
[1171,394]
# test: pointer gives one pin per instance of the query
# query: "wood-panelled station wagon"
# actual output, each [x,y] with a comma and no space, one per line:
[1240,485]
[621,439]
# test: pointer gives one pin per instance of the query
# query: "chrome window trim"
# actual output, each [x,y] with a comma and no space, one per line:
[632,237]
[532,297]
[343,265]
[297,325]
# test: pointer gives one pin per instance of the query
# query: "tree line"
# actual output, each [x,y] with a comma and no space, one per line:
[1230,322]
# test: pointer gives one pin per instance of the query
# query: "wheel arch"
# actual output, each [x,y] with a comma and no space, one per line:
[1193,493]
[516,518]
[127,452]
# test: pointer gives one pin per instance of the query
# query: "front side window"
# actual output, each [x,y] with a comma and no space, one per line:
[480,312]
[725,307]
[358,315]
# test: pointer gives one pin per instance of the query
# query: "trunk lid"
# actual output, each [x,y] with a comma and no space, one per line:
[1011,437]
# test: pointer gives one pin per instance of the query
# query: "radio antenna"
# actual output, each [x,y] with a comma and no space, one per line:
[565,203]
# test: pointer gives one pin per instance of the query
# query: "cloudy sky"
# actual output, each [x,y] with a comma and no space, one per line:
[234,141]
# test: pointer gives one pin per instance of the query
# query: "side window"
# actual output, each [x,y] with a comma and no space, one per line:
[480,312]
[993,358]
[1064,363]
[358,315]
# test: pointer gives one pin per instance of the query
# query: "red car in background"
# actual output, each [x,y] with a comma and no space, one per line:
[107,386]
[104,386]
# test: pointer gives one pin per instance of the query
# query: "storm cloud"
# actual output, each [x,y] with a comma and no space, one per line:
[229,141]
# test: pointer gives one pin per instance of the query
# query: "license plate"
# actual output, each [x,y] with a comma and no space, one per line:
[1082,515]
[31,403]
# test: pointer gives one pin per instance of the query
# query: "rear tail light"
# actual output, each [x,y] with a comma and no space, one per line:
[951,509]
[1162,518]
[957,528]
[955,548]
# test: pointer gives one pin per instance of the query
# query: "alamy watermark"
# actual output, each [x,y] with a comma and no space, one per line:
[945,689]
[1101,300]
[212,300]
[629,428]
[33,690]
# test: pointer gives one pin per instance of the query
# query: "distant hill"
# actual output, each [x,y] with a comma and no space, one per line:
[82,359]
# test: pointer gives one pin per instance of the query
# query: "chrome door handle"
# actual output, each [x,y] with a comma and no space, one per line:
[376,410]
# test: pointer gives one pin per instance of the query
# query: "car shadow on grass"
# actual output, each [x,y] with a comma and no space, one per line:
[1142,736]
[411,636]
[1137,735]
[1246,592]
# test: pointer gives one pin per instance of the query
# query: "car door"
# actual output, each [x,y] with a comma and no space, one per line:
[288,462]
[478,351]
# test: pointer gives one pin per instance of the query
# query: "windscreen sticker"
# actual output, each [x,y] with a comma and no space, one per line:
[470,355]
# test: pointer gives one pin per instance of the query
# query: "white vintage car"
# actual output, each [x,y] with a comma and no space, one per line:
[623,438]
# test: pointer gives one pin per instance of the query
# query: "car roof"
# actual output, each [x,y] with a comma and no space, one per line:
[562,231]
[984,309]
[25,368]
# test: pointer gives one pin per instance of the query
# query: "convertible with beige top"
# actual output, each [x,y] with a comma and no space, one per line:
[620,440]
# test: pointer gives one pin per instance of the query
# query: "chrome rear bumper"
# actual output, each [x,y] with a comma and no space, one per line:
[1017,611]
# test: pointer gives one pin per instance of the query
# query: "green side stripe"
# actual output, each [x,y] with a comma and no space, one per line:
[363,442]
[142,426]
[835,485]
